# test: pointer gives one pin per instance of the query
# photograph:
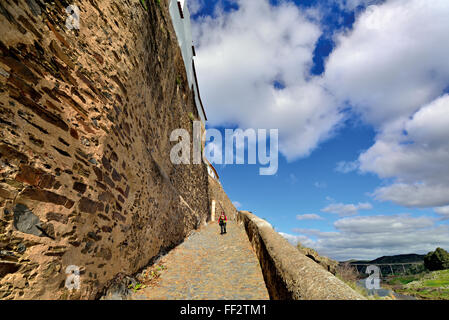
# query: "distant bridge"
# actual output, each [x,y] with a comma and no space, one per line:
[385,265]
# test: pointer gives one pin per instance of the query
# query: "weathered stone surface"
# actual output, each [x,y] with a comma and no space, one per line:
[60,54]
[25,221]
[54,216]
[106,163]
[105,253]
[48,230]
[106,197]
[29,175]
[288,273]
[41,112]
[5,194]
[85,117]
[80,187]
[9,153]
[328,264]
[89,206]
[118,216]
[34,7]
[108,181]
[116,176]
[119,288]
[45,196]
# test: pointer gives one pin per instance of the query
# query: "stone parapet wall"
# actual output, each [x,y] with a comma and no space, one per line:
[85,121]
[288,273]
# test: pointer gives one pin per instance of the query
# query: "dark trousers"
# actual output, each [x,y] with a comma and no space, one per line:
[223,227]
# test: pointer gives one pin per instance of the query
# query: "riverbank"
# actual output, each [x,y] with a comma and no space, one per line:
[427,285]
[384,293]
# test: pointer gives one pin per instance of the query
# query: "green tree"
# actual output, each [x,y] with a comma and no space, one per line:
[437,260]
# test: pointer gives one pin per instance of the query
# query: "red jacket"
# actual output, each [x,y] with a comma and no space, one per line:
[225,219]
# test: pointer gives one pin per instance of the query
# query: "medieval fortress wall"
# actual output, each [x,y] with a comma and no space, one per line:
[87,186]
[85,119]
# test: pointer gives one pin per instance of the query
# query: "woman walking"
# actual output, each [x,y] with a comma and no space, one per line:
[222,222]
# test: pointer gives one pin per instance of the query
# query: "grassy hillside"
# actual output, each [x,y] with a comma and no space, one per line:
[430,285]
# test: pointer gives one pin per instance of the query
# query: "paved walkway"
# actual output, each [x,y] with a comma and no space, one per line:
[208,265]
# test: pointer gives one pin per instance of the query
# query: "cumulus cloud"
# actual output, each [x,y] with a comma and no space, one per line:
[392,68]
[393,61]
[346,209]
[296,239]
[382,223]
[253,69]
[414,195]
[374,236]
[309,216]
[417,156]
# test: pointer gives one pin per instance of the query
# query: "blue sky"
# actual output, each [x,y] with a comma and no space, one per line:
[359,161]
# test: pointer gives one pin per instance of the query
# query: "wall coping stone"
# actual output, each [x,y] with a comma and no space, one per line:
[288,273]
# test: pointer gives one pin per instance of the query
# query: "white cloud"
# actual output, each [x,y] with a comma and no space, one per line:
[240,54]
[346,209]
[347,166]
[414,195]
[382,223]
[443,212]
[195,5]
[416,154]
[309,216]
[392,68]
[320,185]
[374,236]
[393,61]
[295,239]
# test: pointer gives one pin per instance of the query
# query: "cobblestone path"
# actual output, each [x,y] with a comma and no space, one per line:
[208,265]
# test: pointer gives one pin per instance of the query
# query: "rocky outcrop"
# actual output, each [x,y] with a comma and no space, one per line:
[85,120]
[288,273]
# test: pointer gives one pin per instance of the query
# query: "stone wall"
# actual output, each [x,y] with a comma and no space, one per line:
[85,119]
[288,273]
[222,201]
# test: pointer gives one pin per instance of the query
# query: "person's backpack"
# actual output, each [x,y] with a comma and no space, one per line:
[222,221]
